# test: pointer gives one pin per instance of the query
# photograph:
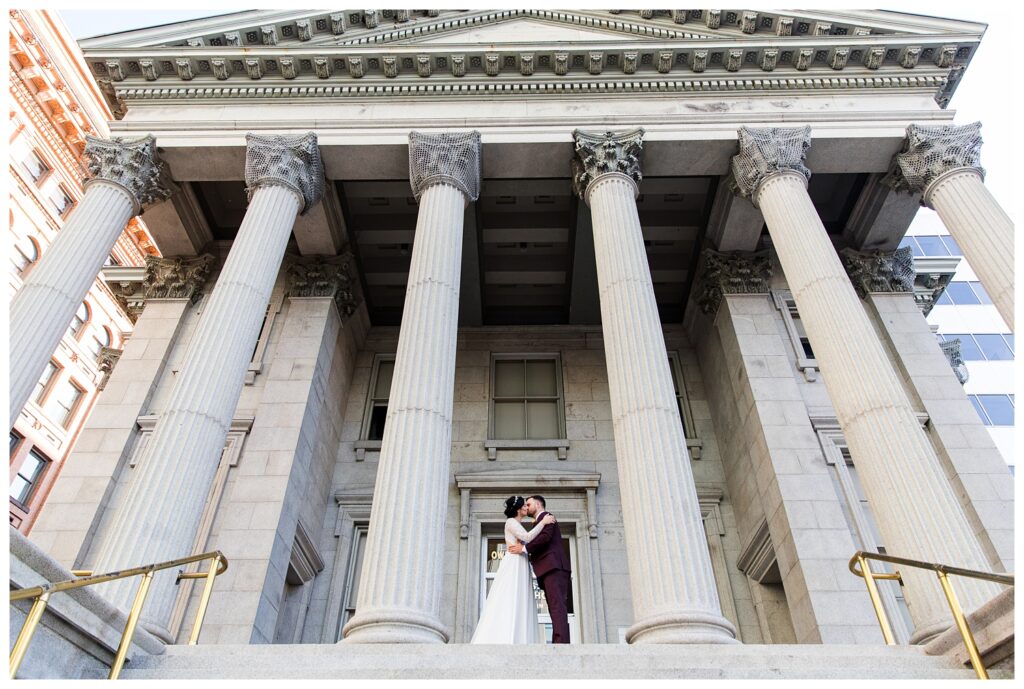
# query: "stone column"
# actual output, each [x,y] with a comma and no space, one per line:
[165,499]
[403,568]
[674,595]
[124,175]
[917,513]
[942,164]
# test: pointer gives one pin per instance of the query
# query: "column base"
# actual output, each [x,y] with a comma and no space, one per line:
[394,627]
[683,627]
[923,635]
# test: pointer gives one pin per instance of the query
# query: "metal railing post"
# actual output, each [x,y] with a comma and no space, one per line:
[129,628]
[28,628]
[193,638]
[876,601]
[962,626]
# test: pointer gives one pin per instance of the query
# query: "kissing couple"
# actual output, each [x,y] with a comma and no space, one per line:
[510,612]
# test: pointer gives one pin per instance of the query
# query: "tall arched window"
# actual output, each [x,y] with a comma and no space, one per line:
[82,316]
[25,255]
[100,339]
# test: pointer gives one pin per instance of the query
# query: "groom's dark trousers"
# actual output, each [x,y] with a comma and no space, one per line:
[553,576]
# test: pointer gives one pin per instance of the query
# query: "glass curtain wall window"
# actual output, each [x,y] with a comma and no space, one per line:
[983,346]
[27,478]
[526,399]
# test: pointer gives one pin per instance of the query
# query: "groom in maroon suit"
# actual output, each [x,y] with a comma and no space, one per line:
[551,567]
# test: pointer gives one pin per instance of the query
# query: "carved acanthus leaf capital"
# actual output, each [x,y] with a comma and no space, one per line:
[767,151]
[719,274]
[324,276]
[176,278]
[132,164]
[928,287]
[951,348]
[106,361]
[880,271]
[931,151]
[289,161]
[602,154]
[451,158]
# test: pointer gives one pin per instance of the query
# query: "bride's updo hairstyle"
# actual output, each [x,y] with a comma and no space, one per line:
[513,505]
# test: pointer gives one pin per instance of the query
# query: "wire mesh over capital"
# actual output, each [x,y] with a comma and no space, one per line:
[933,150]
[445,158]
[289,161]
[767,151]
[131,163]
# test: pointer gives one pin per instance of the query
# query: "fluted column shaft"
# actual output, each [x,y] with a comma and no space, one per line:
[54,290]
[915,508]
[123,176]
[674,595]
[165,499]
[400,591]
[982,229]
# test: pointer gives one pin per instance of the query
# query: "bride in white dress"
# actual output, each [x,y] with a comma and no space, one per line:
[510,612]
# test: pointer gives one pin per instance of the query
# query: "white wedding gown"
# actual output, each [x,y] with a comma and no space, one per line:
[510,612]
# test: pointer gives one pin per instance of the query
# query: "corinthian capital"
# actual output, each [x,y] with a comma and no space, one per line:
[603,154]
[931,151]
[768,151]
[176,278]
[322,276]
[286,161]
[880,271]
[451,158]
[951,348]
[131,164]
[719,274]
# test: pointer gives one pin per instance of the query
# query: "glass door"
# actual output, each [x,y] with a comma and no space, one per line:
[494,551]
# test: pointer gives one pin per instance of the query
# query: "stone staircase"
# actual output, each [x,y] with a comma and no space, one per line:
[610,661]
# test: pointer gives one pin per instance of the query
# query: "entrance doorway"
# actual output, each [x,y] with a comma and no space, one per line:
[494,549]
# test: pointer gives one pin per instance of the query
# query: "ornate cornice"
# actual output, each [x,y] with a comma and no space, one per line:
[951,348]
[288,161]
[322,276]
[880,271]
[445,158]
[131,164]
[597,155]
[719,274]
[931,151]
[930,284]
[534,88]
[767,151]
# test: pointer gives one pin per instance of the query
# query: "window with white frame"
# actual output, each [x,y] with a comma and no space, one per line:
[355,570]
[863,526]
[526,397]
[377,397]
[682,401]
[100,339]
[60,200]
[63,403]
[46,381]
[805,360]
[25,254]
[78,322]
[32,162]
[27,478]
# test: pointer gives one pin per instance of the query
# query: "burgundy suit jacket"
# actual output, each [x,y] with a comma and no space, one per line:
[546,554]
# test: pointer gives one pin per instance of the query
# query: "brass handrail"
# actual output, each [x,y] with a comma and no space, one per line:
[861,558]
[41,596]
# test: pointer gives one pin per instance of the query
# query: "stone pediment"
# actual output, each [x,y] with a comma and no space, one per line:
[271,28]
[424,53]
